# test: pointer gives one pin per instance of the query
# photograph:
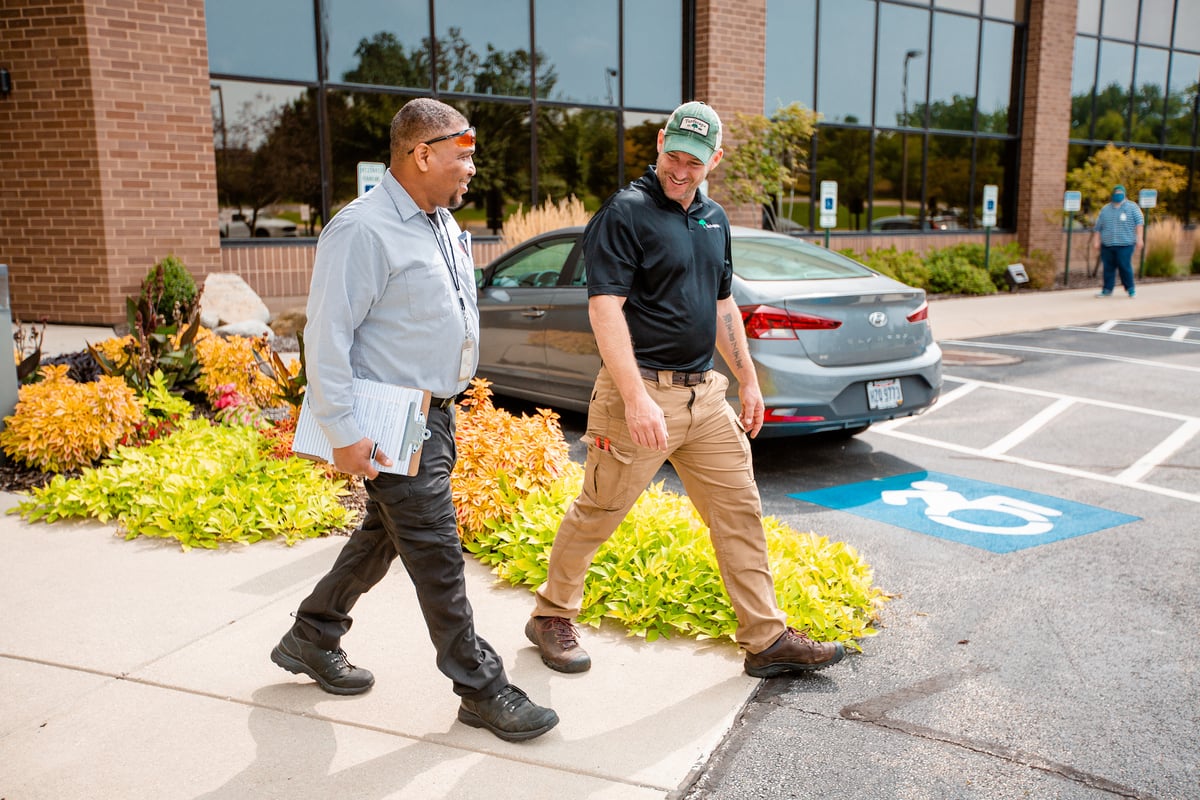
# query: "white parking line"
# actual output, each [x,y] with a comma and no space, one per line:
[1179,333]
[1055,352]
[1161,452]
[1131,477]
[1025,462]
[1035,424]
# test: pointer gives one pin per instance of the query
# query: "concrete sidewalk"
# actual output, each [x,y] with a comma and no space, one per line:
[134,670]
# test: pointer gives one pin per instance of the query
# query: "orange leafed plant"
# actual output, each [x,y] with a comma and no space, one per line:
[60,425]
[501,456]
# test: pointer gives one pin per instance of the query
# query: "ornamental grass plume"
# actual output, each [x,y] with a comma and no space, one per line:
[1162,241]
[1196,251]
[523,225]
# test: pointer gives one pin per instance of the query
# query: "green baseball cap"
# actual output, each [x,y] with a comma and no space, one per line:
[695,129]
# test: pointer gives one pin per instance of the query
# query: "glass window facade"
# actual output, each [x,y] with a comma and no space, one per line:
[1136,70]
[561,96]
[918,105]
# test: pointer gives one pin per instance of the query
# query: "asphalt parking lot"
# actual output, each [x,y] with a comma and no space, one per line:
[1038,530]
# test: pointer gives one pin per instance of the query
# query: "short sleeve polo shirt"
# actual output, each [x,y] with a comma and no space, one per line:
[671,266]
[1117,225]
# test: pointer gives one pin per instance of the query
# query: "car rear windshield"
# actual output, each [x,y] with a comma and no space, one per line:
[790,260]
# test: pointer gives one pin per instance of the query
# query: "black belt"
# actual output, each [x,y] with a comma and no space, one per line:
[442,402]
[677,378]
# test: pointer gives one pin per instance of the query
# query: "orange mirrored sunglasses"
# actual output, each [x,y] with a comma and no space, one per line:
[463,138]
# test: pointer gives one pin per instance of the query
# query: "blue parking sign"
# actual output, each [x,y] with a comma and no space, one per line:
[985,515]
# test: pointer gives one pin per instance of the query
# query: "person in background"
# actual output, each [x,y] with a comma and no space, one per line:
[659,273]
[1120,226]
[393,300]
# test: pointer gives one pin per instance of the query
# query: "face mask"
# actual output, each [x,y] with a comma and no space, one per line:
[1118,197]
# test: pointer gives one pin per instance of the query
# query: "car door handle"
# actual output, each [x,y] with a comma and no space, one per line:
[533,313]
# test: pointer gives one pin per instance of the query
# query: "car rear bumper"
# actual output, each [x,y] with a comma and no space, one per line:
[808,399]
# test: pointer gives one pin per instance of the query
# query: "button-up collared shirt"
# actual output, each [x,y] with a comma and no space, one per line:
[385,305]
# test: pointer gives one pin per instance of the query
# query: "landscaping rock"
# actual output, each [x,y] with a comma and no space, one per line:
[227,299]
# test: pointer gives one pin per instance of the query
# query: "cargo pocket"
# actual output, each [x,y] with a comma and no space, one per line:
[606,479]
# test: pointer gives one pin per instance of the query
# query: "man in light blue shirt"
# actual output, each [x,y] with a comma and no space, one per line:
[1119,225]
[393,300]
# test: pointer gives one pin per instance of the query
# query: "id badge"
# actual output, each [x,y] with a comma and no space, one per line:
[1122,216]
[466,365]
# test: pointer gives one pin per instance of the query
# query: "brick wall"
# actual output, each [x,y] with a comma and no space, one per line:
[106,158]
[1046,126]
[730,67]
[285,270]
[276,270]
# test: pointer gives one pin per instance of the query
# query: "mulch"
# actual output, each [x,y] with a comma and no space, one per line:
[18,478]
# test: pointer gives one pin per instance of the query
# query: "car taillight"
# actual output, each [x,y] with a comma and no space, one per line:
[788,415]
[768,322]
[920,315]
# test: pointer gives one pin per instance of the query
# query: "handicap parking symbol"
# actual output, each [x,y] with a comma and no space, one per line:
[985,515]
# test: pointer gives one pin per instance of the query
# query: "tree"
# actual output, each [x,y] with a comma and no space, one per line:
[1133,169]
[771,154]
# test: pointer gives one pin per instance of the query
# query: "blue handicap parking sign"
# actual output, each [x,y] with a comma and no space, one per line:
[985,515]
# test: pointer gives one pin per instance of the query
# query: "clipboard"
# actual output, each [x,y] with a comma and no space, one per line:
[394,417]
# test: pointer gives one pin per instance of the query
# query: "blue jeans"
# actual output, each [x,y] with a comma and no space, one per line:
[1117,258]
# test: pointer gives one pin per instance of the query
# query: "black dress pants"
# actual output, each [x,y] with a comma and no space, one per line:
[413,518]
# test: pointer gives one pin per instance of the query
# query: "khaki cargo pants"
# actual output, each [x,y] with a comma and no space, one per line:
[711,455]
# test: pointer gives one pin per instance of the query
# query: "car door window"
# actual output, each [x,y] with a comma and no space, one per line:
[580,278]
[537,266]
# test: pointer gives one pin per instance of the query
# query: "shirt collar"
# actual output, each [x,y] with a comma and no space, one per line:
[405,205]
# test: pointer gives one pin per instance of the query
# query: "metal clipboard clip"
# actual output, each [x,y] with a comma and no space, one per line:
[415,432]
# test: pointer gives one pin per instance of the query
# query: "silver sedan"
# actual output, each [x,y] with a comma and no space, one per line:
[837,346]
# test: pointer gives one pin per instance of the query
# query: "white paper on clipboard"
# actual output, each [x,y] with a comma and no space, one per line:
[392,416]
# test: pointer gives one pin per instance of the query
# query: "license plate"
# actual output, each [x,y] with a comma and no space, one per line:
[884,394]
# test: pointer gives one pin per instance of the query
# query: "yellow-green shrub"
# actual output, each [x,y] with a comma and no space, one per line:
[202,485]
[231,362]
[658,573]
[499,454]
[60,425]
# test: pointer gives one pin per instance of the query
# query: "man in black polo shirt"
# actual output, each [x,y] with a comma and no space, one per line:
[659,273]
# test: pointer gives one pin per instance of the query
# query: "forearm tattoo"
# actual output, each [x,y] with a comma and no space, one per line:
[735,352]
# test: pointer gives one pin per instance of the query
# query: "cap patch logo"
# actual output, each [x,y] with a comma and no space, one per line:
[692,124]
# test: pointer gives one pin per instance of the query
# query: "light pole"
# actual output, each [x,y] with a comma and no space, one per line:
[911,54]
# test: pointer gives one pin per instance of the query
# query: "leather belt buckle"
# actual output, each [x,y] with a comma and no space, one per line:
[677,378]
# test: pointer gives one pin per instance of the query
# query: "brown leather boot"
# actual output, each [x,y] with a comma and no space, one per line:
[793,652]
[558,640]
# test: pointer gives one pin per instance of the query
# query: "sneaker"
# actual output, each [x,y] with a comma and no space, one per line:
[1103,294]
[1132,293]
[510,714]
[329,668]
[558,640]
[793,652]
